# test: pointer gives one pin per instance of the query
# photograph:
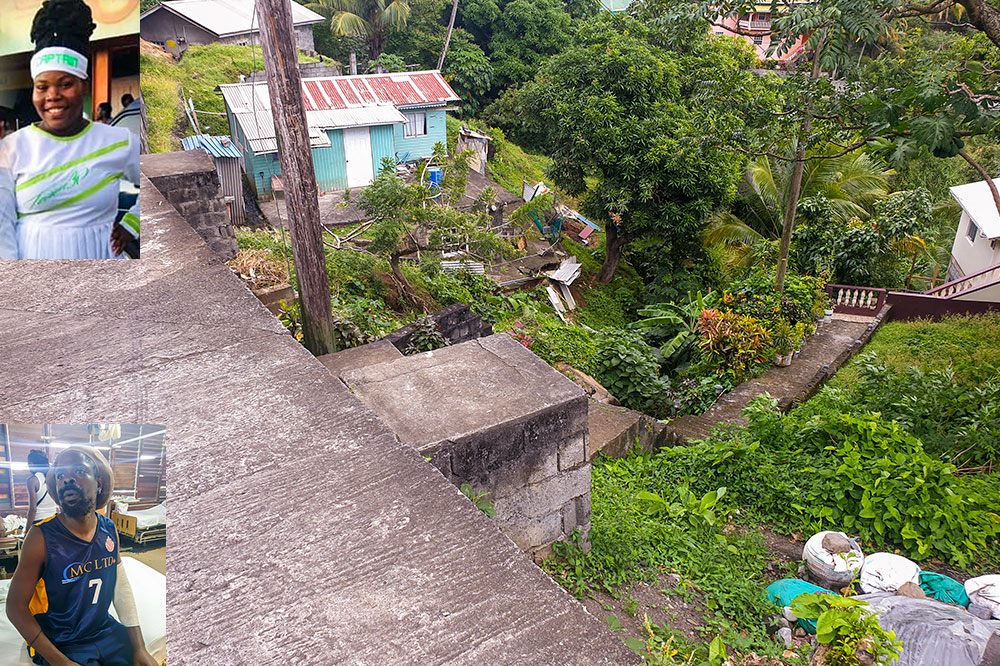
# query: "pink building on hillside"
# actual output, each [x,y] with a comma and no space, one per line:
[755,28]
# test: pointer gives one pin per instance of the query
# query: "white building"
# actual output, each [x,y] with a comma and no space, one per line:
[974,270]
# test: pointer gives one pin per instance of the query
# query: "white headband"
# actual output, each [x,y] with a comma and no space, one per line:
[59,59]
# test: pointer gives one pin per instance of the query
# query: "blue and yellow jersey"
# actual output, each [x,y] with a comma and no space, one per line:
[77,585]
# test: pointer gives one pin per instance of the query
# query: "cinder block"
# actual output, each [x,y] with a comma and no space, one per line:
[547,468]
[529,533]
[547,497]
[569,517]
[573,452]
[583,509]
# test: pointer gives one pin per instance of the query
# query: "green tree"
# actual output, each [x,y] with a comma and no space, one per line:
[371,20]
[937,111]
[610,112]
[849,185]
[411,217]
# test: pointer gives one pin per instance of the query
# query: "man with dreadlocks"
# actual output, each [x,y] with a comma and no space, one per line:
[69,572]
[59,177]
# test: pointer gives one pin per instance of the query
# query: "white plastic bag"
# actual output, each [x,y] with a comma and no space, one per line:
[985,590]
[839,568]
[885,572]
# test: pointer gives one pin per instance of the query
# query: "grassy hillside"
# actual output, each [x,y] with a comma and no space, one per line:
[196,74]
[510,165]
[967,345]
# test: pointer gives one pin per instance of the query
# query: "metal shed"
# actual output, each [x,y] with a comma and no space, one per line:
[227,159]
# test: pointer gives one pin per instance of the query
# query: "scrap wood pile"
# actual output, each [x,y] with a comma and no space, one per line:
[939,620]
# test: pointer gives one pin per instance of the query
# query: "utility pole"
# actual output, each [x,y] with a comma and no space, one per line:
[451,25]
[301,201]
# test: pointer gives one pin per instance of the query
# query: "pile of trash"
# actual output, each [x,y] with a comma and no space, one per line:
[940,621]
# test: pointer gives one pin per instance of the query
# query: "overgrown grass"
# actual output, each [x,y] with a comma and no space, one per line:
[968,345]
[166,85]
[643,526]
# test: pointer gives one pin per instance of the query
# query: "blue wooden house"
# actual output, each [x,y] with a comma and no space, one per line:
[354,122]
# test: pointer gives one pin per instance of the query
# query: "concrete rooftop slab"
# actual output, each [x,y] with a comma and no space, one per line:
[300,529]
[477,384]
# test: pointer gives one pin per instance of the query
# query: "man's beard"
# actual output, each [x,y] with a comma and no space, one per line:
[78,509]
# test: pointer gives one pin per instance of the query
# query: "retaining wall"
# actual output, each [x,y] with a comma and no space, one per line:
[490,413]
[189,181]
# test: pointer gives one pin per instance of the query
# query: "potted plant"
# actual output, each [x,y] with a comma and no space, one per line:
[783,338]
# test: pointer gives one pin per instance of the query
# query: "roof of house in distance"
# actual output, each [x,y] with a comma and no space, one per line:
[228,17]
[977,200]
[338,102]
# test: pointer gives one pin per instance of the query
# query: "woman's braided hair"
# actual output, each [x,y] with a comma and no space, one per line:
[63,23]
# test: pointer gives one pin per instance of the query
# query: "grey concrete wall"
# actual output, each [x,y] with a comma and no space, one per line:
[457,323]
[301,530]
[490,413]
[189,181]
[306,70]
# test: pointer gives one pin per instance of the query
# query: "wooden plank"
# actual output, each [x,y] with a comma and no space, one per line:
[568,295]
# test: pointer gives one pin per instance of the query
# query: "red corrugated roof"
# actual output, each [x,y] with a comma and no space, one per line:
[398,89]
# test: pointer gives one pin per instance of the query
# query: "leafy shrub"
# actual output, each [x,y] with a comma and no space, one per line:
[628,368]
[426,337]
[957,421]
[870,477]
[848,629]
[555,341]
[740,345]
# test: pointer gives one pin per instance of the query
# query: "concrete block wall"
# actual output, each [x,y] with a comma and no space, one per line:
[535,470]
[189,181]
[457,323]
[490,413]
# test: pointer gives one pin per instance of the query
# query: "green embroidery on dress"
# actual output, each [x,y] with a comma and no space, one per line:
[79,197]
[74,180]
[72,163]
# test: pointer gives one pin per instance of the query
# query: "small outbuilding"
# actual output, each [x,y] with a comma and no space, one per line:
[175,25]
[354,123]
[228,164]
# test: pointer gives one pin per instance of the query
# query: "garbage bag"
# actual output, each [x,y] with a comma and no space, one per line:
[985,590]
[885,572]
[944,588]
[828,562]
[783,592]
[933,633]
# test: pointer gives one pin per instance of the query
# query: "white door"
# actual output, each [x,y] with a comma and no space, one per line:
[358,153]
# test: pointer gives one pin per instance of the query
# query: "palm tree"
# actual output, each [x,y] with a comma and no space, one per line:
[850,184]
[371,20]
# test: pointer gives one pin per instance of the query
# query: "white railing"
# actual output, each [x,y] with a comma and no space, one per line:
[856,300]
[755,25]
[967,282]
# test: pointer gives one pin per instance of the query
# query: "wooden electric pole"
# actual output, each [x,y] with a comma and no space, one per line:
[281,60]
[447,40]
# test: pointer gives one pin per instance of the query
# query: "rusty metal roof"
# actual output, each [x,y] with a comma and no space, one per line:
[337,102]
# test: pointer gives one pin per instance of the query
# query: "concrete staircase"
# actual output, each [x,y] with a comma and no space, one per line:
[827,350]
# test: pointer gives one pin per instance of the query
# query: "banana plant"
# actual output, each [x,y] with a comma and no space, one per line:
[673,316]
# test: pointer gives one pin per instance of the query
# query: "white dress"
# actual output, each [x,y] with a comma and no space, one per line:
[59,195]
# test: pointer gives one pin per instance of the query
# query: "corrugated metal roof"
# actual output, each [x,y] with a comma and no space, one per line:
[229,17]
[217,146]
[336,102]
[977,200]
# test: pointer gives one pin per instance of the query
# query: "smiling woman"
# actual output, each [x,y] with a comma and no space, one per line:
[59,178]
